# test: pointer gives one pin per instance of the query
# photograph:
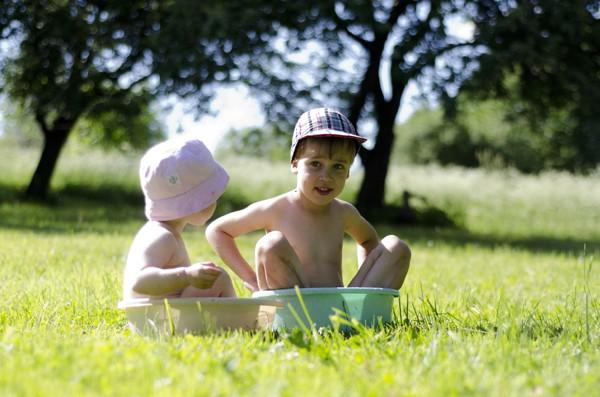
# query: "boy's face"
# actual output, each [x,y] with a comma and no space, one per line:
[321,169]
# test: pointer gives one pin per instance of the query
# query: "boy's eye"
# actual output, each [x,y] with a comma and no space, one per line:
[339,167]
[315,163]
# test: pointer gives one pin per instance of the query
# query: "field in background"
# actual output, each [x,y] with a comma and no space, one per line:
[506,304]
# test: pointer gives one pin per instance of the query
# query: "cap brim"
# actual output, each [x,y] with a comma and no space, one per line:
[334,134]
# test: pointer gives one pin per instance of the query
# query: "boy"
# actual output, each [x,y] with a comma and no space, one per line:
[305,227]
[181,183]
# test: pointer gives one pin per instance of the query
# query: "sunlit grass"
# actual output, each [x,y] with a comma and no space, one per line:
[507,305]
[505,203]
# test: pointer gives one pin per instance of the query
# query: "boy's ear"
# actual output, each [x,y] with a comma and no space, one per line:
[294,166]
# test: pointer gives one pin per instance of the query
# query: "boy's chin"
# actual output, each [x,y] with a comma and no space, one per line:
[322,200]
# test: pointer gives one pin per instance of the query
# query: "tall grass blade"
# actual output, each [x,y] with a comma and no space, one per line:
[305,309]
[300,322]
[169,317]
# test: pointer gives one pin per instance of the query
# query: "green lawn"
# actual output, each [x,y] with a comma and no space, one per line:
[505,304]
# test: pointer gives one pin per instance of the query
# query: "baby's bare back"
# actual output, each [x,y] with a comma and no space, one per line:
[153,246]
[317,239]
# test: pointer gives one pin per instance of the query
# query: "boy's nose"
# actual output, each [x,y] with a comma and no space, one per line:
[325,175]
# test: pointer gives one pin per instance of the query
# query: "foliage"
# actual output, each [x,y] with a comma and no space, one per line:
[543,57]
[133,126]
[106,59]
[489,134]
[356,48]
[347,54]
[267,142]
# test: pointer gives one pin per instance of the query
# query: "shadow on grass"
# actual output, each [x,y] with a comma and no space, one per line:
[415,209]
[101,209]
[459,238]
[113,208]
[73,209]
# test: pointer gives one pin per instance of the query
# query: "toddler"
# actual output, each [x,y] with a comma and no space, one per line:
[181,183]
[305,227]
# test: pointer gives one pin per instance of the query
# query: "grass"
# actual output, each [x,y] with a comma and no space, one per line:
[505,305]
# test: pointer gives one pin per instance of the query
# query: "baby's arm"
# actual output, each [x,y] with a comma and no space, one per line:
[154,279]
[222,232]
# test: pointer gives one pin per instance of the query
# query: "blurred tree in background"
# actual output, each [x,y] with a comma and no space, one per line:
[359,56]
[110,129]
[539,57]
[267,142]
[488,133]
[542,59]
[107,60]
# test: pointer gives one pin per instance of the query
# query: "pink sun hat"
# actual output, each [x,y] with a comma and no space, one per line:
[323,122]
[180,177]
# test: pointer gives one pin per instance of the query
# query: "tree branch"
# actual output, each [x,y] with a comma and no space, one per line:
[399,8]
[343,23]
[422,27]
[429,58]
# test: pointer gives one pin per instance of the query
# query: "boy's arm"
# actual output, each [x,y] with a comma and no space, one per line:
[153,279]
[221,234]
[361,231]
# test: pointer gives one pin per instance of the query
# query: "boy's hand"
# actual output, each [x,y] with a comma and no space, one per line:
[251,287]
[202,275]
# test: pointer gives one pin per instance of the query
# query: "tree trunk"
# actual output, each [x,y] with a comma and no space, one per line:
[54,141]
[376,161]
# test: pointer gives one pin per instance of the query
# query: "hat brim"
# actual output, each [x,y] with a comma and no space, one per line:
[190,202]
[333,134]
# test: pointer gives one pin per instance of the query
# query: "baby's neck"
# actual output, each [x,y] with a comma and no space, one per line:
[174,226]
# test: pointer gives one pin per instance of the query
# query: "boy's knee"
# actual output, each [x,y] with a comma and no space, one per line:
[224,277]
[269,244]
[397,247]
[224,285]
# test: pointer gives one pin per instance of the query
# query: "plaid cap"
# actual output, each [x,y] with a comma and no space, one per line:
[323,122]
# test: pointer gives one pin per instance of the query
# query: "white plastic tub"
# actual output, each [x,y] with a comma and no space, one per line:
[370,306]
[176,316]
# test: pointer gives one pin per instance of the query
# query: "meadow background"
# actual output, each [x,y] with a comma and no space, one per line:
[504,303]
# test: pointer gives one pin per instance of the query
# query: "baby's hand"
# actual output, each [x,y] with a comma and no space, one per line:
[202,275]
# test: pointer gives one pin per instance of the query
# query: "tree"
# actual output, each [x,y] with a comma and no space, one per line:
[354,48]
[69,59]
[544,56]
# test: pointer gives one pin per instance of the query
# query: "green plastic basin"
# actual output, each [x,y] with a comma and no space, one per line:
[370,306]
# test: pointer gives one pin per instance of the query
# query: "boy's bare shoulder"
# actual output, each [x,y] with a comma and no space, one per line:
[346,207]
[352,217]
[270,204]
[258,215]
